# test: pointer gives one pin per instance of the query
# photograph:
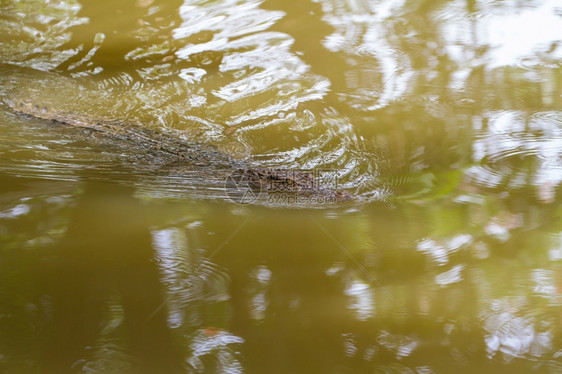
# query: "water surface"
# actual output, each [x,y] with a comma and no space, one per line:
[442,118]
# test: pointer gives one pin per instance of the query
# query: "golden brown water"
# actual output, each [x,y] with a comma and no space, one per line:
[443,117]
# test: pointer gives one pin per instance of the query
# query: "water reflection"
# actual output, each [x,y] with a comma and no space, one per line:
[259,303]
[244,77]
[448,111]
[40,43]
[512,335]
[85,268]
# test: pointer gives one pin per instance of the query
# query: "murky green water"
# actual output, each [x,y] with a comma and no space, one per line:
[442,118]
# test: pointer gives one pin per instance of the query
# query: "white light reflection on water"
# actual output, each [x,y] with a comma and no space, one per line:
[514,334]
[509,31]
[401,345]
[260,301]
[500,34]
[544,283]
[37,32]
[221,345]
[451,276]
[187,276]
[555,253]
[440,251]
[511,137]
[362,299]
[259,62]
[518,35]
[18,210]
[360,32]
[241,18]
[173,258]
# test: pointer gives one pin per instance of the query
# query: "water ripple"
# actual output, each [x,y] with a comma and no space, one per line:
[515,148]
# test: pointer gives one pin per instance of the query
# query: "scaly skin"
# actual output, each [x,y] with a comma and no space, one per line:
[173,149]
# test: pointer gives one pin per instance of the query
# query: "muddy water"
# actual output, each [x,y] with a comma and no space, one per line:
[442,118]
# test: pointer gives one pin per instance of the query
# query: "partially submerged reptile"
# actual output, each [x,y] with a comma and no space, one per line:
[295,183]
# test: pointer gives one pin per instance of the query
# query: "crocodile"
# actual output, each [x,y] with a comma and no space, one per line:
[173,149]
